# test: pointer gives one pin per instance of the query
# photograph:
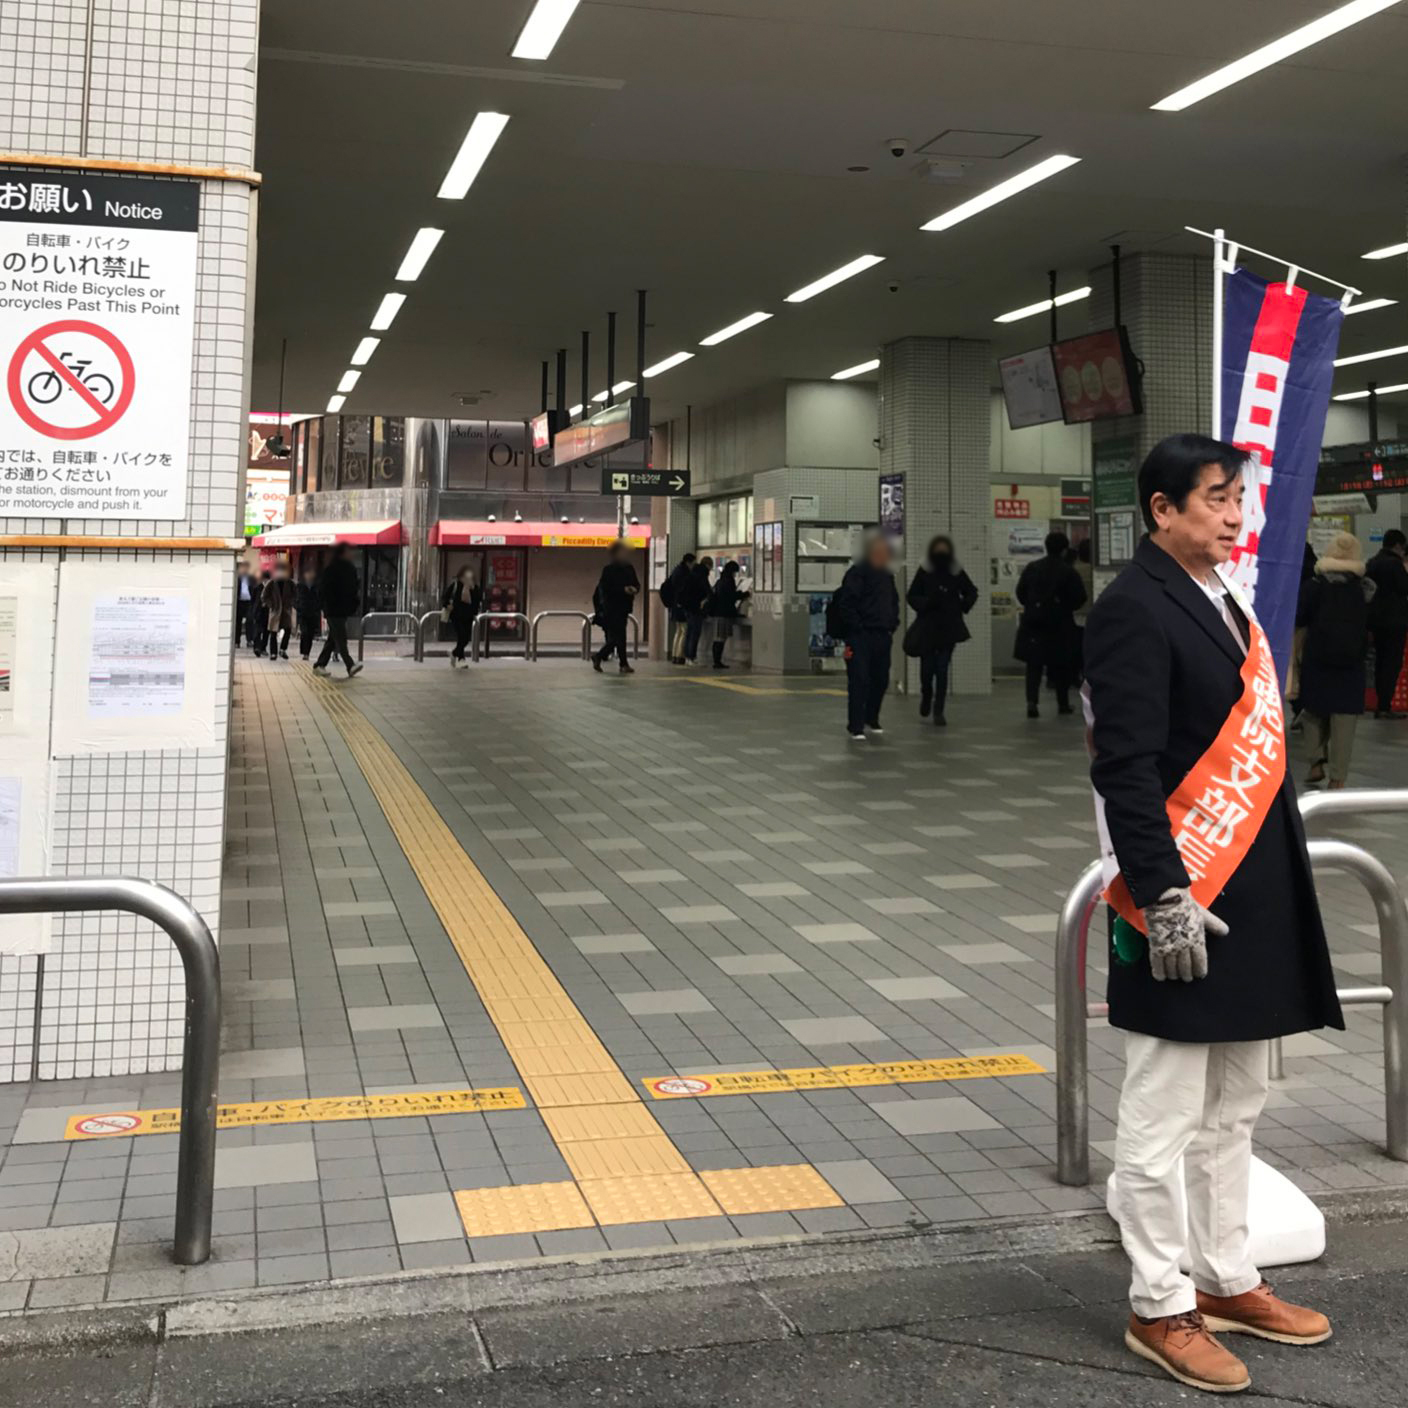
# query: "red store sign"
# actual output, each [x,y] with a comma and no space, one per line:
[1012,508]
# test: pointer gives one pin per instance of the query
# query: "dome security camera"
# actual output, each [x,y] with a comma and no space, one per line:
[893,285]
[898,147]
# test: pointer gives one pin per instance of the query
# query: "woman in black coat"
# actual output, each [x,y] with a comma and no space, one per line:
[462,599]
[725,606]
[941,595]
[1334,612]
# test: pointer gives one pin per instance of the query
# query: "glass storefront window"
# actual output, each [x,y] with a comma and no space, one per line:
[313,430]
[356,452]
[466,462]
[332,436]
[388,465]
[506,442]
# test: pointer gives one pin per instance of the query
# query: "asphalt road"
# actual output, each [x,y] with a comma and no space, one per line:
[894,1323]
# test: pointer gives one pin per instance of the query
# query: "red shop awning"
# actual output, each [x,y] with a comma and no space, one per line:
[364,531]
[482,533]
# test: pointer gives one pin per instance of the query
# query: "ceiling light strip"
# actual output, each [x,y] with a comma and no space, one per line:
[1364,395]
[364,351]
[836,276]
[859,369]
[474,151]
[733,329]
[672,361]
[1371,356]
[544,28]
[1045,306]
[419,252]
[1387,252]
[335,404]
[1292,43]
[1004,190]
[386,311]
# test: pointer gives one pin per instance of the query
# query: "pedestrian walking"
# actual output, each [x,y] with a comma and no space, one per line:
[941,595]
[695,592]
[244,600]
[258,615]
[307,608]
[725,607]
[865,611]
[460,606]
[1388,621]
[1085,570]
[671,598]
[276,602]
[1334,612]
[1049,592]
[1218,946]
[340,593]
[614,596]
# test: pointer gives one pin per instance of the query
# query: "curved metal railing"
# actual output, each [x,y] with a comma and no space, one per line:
[480,622]
[562,615]
[424,621]
[390,635]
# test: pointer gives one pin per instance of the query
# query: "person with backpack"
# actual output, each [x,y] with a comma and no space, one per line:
[941,594]
[865,613]
[670,593]
[1050,593]
[1388,618]
[612,601]
[1334,610]
[694,602]
[724,607]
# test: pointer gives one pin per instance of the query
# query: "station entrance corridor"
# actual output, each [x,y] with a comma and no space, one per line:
[523,962]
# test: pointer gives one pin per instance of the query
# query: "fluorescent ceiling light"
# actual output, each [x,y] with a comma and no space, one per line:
[576,410]
[364,351]
[836,276]
[544,28]
[1045,306]
[1369,304]
[615,391]
[1273,53]
[386,311]
[421,248]
[473,153]
[1370,356]
[733,329]
[349,380]
[668,363]
[1387,252]
[335,404]
[859,369]
[1004,190]
[1364,395]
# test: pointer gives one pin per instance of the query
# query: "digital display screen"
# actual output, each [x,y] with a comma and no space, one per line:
[1095,377]
[1029,388]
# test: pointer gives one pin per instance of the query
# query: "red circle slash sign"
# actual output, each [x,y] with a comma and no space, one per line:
[104,416]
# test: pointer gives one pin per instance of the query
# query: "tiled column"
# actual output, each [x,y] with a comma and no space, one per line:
[935,408]
[141,80]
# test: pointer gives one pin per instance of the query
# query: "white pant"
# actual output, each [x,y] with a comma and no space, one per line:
[1194,1104]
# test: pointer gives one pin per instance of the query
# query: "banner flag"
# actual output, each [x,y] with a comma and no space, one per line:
[1278,353]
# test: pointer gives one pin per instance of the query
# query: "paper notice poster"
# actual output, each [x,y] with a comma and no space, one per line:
[9,615]
[137,655]
[10,793]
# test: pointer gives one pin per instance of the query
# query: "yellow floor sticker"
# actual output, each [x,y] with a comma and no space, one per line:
[340,1107]
[834,1077]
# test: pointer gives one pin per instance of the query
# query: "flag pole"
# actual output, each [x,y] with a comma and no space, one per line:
[1218,242]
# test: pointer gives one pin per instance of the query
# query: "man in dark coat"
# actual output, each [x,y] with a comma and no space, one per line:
[1200,977]
[340,593]
[1050,592]
[615,595]
[670,593]
[867,608]
[1388,619]
[694,599]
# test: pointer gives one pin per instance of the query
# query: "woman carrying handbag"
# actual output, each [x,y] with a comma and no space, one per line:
[459,606]
[941,595]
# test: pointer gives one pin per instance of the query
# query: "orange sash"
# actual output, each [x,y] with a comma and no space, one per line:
[1216,812]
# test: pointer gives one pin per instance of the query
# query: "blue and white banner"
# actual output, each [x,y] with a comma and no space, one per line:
[1278,354]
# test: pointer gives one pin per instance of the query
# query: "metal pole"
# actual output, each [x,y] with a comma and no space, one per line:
[610,359]
[1051,290]
[1278,1060]
[1373,411]
[544,406]
[640,342]
[1115,284]
[562,381]
[1218,245]
[200,1061]
[1072,1069]
[586,375]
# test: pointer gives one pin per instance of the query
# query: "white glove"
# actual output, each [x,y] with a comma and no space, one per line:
[1178,928]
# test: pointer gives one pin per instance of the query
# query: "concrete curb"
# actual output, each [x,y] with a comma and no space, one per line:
[554,1281]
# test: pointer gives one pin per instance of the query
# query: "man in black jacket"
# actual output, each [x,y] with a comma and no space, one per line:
[1050,592]
[340,593]
[868,609]
[1388,618]
[615,595]
[694,598]
[1218,947]
[670,590]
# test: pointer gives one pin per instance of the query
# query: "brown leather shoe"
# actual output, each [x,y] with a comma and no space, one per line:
[1182,1347]
[1263,1313]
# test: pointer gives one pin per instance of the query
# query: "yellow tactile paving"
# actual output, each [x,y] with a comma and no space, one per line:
[531,1207]
[782,1188]
[627,1168]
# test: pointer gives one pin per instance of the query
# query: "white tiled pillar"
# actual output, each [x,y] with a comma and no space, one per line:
[935,423]
[154,81]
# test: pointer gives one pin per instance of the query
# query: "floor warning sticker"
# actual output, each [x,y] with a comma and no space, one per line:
[835,1077]
[341,1107]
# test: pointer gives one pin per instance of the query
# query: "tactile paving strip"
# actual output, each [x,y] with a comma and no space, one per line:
[782,1188]
[530,1207]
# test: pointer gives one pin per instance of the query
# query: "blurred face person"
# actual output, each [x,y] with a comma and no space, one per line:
[877,553]
[1201,534]
[941,553]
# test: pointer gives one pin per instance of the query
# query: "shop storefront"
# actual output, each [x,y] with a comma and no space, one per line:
[376,553]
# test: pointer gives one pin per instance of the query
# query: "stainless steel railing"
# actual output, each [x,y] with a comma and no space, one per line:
[424,621]
[1073,1010]
[390,635]
[200,1062]
[563,615]
[481,621]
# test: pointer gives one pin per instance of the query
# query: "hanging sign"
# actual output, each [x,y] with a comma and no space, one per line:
[1278,354]
[97,325]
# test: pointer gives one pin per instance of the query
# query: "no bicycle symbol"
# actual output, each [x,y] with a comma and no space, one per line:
[71,380]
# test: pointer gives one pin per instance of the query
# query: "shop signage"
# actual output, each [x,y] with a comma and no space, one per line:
[1114,464]
[265,494]
[1363,468]
[646,483]
[609,429]
[892,507]
[589,540]
[1012,508]
[97,325]
[1075,498]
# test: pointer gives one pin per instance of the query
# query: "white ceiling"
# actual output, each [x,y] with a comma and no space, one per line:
[699,149]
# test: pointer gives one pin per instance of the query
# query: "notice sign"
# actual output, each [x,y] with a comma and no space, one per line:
[97,324]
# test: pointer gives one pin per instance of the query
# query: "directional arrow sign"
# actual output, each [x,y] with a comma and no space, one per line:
[647,483]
